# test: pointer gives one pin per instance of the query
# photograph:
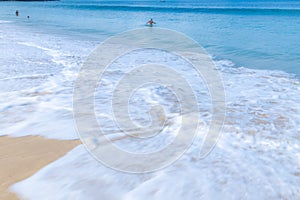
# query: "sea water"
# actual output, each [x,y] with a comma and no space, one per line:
[261,35]
[255,46]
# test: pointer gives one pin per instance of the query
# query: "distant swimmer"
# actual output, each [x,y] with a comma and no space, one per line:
[28,17]
[150,22]
[17,13]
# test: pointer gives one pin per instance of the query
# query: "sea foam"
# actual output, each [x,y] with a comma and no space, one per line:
[257,156]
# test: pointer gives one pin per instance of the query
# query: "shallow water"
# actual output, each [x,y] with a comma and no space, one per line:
[255,34]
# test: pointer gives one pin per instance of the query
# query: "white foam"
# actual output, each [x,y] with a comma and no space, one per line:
[257,156]
[36,93]
[5,22]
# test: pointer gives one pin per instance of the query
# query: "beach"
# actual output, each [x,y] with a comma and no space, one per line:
[254,48]
[23,156]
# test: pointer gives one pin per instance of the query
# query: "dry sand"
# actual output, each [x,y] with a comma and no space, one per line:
[21,157]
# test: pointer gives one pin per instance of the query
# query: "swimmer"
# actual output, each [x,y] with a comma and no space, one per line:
[150,22]
[17,13]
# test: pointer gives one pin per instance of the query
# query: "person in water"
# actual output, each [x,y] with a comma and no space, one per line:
[17,13]
[150,22]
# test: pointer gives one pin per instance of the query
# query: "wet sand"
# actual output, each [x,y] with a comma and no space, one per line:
[21,157]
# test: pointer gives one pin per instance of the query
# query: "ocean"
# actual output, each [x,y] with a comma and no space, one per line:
[260,35]
[255,47]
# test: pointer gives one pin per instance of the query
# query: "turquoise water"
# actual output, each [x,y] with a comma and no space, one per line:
[255,34]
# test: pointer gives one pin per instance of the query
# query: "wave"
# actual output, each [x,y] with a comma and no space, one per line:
[5,22]
[260,130]
[265,10]
[33,76]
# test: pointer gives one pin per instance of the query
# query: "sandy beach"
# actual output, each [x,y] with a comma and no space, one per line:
[21,157]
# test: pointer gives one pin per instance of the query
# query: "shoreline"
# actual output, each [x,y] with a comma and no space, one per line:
[21,157]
